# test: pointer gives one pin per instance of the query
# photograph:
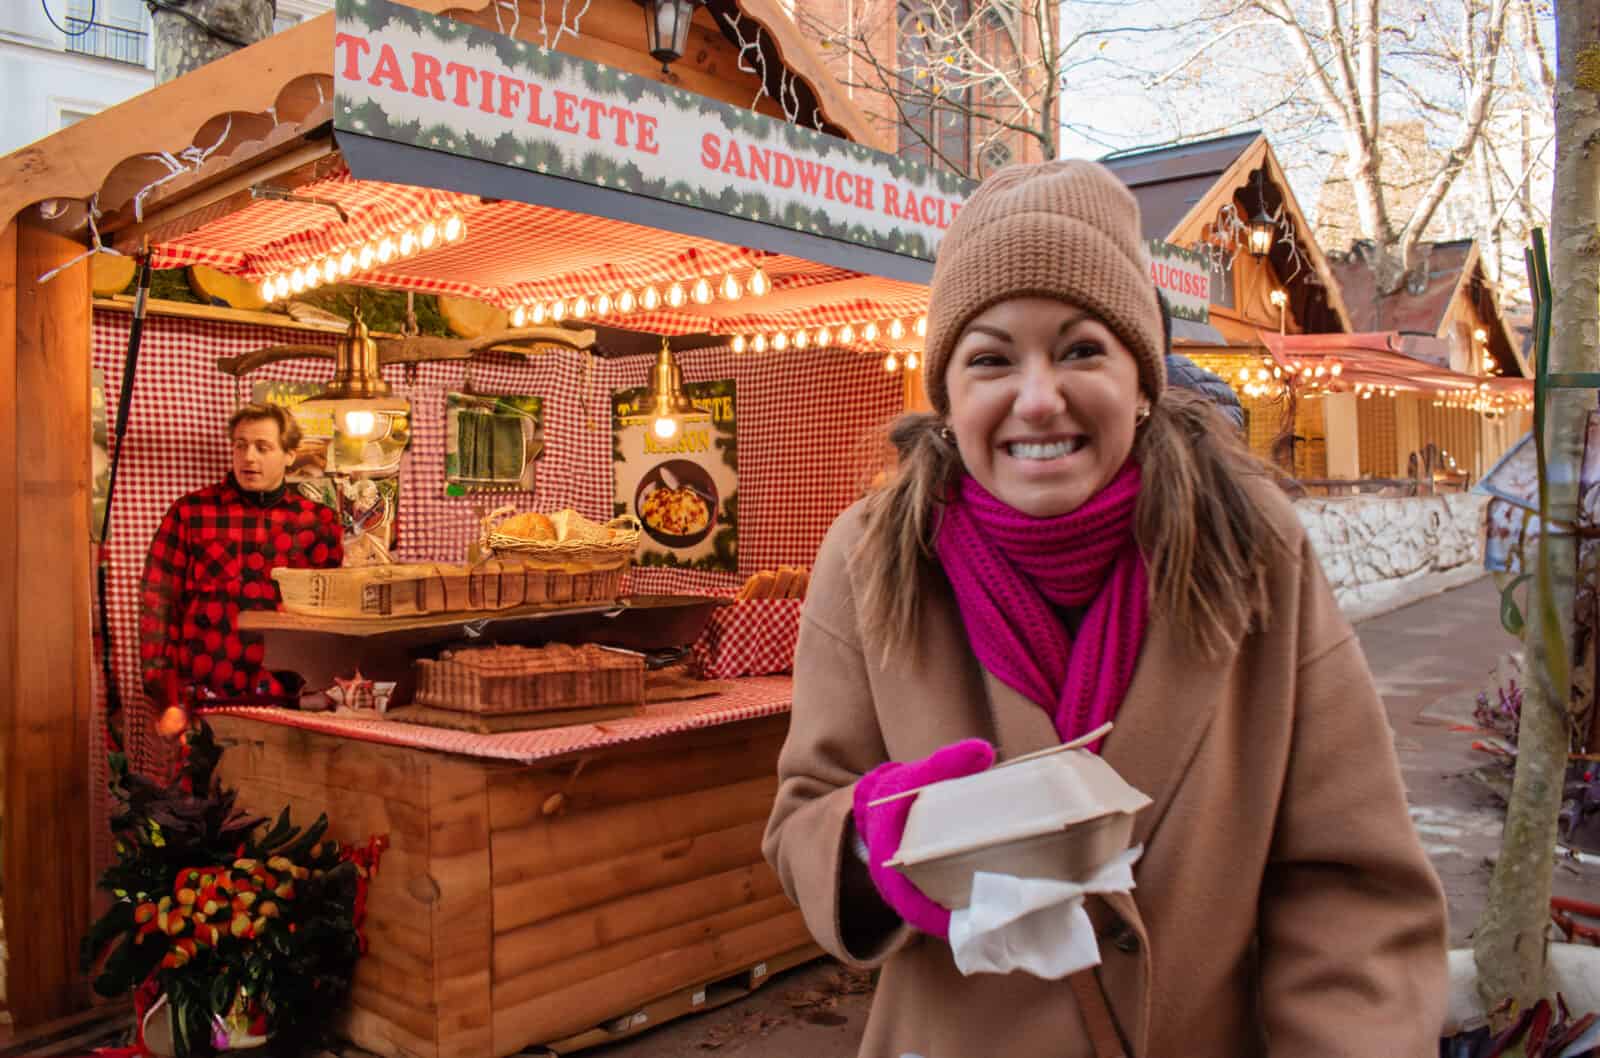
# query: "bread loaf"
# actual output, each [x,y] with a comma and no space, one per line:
[787,582]
[529,526]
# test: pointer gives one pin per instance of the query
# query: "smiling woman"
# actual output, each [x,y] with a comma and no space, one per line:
[1066,544]
[1040,392]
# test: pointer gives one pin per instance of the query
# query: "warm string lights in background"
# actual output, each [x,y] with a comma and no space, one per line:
[1483,400]
[383,249]
[1480,343]
[702,290]
[847,334]
[1271,380]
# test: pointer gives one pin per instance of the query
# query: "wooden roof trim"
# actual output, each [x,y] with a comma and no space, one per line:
[804,61]
[75,162]
[1258,154]
[1473,269]
[1472,262]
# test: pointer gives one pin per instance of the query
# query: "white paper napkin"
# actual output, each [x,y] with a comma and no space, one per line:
[1034,925]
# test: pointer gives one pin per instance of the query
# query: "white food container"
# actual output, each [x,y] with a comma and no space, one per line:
[1060,816]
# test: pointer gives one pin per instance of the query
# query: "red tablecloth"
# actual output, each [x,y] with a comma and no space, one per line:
[755,697]
[752,638]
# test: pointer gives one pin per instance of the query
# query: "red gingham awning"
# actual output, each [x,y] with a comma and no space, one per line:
[1375,359]
[517,254]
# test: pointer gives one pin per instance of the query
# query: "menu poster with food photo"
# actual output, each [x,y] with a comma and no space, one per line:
[491,442]
[685,489]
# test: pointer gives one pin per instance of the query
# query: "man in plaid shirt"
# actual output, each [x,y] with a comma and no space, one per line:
[213,556]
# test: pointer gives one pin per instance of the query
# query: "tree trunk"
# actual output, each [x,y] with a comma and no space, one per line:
[181,45]
[1511,942]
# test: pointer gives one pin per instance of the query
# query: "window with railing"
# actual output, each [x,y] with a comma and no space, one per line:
[105,40]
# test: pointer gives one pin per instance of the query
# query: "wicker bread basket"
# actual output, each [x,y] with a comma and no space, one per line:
[578,543]
[517,679]
[422,589]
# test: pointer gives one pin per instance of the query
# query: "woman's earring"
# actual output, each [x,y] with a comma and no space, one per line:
[947,435]
[1142,415]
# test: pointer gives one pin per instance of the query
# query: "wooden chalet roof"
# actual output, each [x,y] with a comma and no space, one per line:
[1450,269]
[1181,190]
[1170,181]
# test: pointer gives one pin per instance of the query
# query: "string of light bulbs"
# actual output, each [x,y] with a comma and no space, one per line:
[1480,339]
[847,334]
[383,249]
[699,291]
[1368,390]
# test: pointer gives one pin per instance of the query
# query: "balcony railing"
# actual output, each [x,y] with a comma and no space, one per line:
[105,41]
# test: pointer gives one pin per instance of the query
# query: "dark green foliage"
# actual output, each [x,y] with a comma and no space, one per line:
[187,856]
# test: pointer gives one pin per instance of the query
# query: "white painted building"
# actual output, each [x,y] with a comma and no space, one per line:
[62,60]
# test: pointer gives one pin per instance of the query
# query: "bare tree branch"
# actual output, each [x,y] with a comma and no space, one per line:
[1477,113]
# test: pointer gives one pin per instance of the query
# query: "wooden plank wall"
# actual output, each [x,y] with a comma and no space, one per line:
[46,694]
[639,874]
[368,789]
[517,906]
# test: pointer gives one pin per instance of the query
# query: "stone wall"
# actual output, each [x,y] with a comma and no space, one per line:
[1381,554]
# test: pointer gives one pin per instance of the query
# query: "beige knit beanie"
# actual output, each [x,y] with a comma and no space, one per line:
[1063,229]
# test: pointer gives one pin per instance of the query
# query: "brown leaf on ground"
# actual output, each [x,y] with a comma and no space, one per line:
[755,1023]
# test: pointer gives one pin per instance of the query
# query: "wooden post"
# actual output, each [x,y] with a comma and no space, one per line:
[1407,429]
[45,663]
[915,393]
[1341,431]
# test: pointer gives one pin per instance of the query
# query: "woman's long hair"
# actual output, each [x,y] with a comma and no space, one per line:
[1205,541]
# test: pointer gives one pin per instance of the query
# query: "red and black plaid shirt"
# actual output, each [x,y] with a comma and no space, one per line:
[212,557]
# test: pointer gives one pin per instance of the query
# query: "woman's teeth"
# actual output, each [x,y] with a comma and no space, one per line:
[1053,450]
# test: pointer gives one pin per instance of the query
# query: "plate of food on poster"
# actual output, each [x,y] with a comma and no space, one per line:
[677,502]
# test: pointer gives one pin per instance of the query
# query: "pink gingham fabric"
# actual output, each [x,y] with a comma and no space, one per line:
[751,638]
[808,428]
[749,700]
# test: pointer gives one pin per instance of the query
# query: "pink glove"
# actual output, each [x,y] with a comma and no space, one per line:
[882,827]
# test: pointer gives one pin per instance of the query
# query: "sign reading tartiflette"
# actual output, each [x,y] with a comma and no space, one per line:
[432,82]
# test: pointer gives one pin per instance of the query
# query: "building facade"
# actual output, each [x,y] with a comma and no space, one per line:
[62,60]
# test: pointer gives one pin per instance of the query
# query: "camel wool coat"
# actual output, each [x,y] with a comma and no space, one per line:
[1283,905]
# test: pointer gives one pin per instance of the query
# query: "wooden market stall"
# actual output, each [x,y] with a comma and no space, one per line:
[1229,200]
[538,886]
[1456,304]
[1465,416]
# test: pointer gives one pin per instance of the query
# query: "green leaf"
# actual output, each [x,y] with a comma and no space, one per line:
[1510,614]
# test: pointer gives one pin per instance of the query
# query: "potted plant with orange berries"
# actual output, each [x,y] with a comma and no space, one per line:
[242,934]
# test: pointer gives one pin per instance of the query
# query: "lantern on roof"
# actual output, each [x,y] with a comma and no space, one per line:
[666,28]
[1261,223]
[1260,233]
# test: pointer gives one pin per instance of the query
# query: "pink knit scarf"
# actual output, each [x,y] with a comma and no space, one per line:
[1009,568]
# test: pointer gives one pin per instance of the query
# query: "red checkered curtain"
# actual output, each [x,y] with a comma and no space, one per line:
[752,638]
[810,425]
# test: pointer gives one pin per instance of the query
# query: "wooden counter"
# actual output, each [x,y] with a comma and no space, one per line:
[520,905]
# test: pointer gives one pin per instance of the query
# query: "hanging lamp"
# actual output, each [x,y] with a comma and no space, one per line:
[1261,224]
[359,400]
[666,407]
